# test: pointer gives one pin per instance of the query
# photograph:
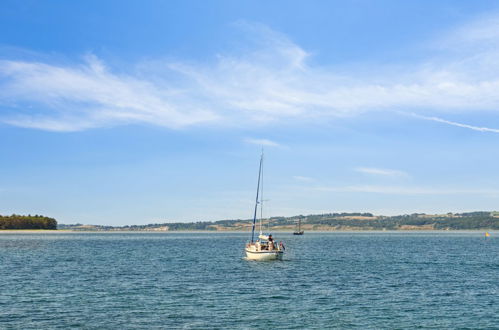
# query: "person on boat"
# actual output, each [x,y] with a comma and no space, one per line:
[281,246]
[271,243]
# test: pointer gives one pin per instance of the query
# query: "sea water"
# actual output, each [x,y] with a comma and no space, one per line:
[201,280]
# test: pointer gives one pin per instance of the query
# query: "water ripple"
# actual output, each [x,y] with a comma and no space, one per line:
[202,281]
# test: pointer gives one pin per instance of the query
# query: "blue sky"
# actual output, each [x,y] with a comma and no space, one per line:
[128,112]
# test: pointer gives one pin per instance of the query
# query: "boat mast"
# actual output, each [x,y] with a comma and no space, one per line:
[261,198]
[256,202]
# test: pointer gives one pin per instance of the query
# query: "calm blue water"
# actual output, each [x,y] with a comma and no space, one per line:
[193,280]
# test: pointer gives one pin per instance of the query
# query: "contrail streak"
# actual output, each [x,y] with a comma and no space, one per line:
[453,123]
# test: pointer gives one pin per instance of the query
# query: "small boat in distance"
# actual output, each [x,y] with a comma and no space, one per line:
[264,248]
[487,234]
[298,230]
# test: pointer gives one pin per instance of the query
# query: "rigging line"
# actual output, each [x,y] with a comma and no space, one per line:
[256,202]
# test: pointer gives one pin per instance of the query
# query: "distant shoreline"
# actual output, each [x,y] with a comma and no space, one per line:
[65,231]
[327,222]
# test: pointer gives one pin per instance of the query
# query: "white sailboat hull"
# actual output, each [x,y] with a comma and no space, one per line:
[264,255]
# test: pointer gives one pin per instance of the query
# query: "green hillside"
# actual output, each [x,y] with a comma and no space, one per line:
[329,221]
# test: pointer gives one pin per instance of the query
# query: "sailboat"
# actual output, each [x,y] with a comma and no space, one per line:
[298,230]
[264,248]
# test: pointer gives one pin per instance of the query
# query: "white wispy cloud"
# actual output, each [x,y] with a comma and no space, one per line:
[381,172]
[453,123]
[482,32]
[408,190]
[273,82]
[62,98]
[303,178]
[262,142]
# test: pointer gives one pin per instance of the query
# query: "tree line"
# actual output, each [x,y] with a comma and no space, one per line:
[16,221]
[336,221]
